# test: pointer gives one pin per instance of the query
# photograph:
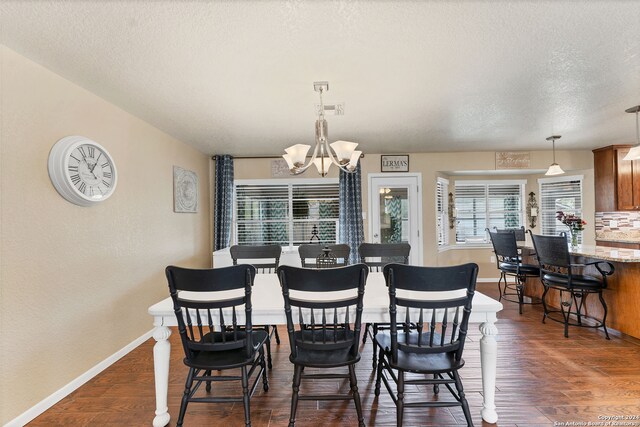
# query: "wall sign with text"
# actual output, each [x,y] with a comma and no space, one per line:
[394,163]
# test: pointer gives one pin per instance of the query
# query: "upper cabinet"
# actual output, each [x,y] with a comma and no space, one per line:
[617,181]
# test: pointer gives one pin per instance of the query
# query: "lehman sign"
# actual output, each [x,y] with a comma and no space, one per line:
[399,163]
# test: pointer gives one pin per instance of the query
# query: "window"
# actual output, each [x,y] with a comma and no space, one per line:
[487,204]
[285,212]
[442,211]
[559,194]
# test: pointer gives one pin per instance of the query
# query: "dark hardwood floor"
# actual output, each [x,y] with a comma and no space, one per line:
[542,378]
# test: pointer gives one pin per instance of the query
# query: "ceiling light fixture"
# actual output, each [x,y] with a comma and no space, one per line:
[343,154]
[634,153]
[555,168]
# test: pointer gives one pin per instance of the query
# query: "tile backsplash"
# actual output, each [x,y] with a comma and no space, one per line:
[620,226]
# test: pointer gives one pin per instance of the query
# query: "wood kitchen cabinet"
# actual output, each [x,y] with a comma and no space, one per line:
[617,181]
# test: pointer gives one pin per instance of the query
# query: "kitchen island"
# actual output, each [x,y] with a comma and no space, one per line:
[623,287]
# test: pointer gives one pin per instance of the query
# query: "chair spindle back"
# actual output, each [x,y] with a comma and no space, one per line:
[269,253]
[210,305]
[441,323]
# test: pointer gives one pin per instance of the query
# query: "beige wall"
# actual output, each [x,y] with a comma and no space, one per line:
[76,282]
[431,165]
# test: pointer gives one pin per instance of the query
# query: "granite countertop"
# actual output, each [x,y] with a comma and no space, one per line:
[606,253]
[616,240]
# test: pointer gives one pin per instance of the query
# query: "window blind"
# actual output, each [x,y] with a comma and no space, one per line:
[559,194]
[442,211]
[482,205]
[285,213]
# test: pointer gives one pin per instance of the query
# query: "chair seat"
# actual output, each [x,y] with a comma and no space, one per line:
[528,269]
[323,358]
[577,281]
[225,359]
[415,362]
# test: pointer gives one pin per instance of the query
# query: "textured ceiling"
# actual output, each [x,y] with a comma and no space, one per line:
[237,77]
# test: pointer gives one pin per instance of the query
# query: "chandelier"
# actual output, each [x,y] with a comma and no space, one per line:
[343,154]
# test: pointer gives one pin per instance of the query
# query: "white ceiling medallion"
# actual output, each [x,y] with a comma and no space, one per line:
[82,170]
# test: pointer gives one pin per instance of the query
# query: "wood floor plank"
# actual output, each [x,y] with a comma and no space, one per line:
[542,378]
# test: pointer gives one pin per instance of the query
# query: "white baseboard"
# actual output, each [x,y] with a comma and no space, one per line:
[485,280]
[54,398]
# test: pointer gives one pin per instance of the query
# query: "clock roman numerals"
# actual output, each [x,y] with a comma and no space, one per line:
[92,151]
[106,184]
[73,168]
[81,150]
[107,175]
[82,187]
[75,179]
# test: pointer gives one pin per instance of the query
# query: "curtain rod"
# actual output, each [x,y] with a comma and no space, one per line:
[214,157]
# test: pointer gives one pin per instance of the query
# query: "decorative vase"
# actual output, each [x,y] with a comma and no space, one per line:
[574,239]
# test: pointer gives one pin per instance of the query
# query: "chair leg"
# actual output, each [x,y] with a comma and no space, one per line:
[275,328]
[379,372]
[502,276]
[400,403]
[544,303]
[297,377]
[245,396]
[353,382]
[581,296]
[263,366]
[268,343]
[520,292]
[208,387]
[463,400]
[565,314]
[185,396]
[604,316]
[366,332]
[373,343]
[436,387]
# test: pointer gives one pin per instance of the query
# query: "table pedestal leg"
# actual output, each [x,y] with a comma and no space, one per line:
[489,360]
[161,353]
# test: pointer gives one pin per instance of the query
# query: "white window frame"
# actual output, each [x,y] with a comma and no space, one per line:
[520,182]
[442,216]
[291,182]
[554,180]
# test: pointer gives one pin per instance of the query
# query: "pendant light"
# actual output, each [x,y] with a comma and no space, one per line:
[555,168]
[634,153]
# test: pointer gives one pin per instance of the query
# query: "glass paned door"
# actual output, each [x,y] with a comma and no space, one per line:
[394,206]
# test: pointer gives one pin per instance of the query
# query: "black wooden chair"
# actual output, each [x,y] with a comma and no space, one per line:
[376,256]
[199,313]
[312,251]
[559,273]
[270,254]
[434,348]
[509,262]
[324,329]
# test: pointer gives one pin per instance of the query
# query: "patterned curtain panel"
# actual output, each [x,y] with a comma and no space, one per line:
[350,212]
[223,196]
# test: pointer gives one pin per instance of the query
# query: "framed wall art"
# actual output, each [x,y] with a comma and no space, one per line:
[185,190]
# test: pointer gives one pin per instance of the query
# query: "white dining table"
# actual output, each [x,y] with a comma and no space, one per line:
[268,309]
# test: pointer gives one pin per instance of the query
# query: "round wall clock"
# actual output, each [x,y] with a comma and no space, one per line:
[82,170]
